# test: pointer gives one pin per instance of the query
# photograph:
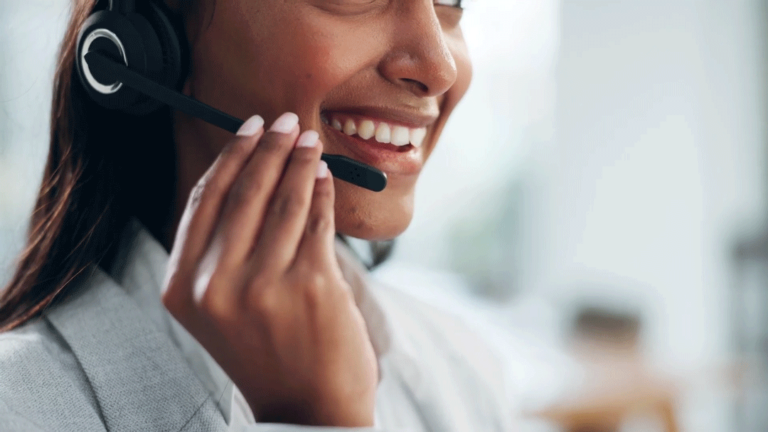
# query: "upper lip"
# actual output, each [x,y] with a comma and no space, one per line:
[410,118]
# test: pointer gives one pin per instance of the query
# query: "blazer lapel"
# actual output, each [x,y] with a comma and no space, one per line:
[139,378]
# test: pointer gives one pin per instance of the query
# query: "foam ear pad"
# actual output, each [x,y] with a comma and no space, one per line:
[169,28]
[154,66]
[166,52]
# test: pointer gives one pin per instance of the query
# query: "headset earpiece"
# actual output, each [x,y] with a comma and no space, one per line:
[146,41]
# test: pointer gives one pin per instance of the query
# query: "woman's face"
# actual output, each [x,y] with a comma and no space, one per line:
[399,62]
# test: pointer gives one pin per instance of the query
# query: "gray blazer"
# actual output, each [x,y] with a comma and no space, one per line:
[97,363]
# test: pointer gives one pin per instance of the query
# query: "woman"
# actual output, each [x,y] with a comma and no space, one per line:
[179,278]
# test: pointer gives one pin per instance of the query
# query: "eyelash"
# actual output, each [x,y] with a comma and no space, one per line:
[452,3]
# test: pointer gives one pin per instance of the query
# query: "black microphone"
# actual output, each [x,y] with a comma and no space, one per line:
[341,166]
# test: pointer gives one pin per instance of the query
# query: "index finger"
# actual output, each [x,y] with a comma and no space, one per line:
[207,198]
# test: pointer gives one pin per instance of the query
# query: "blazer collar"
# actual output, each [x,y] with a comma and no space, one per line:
[133,368]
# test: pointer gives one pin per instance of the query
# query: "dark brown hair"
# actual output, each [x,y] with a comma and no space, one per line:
[102,168]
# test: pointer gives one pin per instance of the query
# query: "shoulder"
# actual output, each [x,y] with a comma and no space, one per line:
[95,361]
[41,383]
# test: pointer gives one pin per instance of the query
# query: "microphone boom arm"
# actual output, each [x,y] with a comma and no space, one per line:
[342,167]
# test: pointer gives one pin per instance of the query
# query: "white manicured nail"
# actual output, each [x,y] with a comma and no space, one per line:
[251,126]
[322,169]
[308,139]
[285,123]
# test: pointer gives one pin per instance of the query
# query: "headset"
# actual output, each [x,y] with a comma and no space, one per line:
[133,56]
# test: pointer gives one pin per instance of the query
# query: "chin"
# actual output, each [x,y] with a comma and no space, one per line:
[363,231]
[371,215]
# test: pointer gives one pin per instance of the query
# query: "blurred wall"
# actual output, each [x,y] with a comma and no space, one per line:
[30,33]
[658,162]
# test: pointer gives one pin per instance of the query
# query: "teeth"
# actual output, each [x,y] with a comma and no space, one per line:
[382,133]
[417,136]
[349,127]
[367,129]
[400,136]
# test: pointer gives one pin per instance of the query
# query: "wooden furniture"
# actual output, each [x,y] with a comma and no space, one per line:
[616,385]
[616,381]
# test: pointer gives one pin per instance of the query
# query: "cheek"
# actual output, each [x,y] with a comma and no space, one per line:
[308,61]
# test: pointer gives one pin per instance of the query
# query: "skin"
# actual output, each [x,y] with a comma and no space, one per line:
[304,56]
[253,246]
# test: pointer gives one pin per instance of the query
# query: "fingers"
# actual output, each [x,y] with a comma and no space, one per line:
[286,216]
[317,246]
[206,199]
[243,213]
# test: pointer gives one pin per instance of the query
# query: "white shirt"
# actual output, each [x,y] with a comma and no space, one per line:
[434,373]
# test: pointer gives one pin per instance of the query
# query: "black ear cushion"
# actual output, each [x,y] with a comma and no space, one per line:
[165,53]
[150,44]
[169,28]
[154,66]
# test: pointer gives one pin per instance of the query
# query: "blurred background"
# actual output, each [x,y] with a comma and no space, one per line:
[596,207]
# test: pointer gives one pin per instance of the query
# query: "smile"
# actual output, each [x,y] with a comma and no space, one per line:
[384,132]
[398,160]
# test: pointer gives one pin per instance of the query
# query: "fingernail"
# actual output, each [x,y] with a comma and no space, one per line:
[322,169]
[285,123]
[251,126]
[308,139]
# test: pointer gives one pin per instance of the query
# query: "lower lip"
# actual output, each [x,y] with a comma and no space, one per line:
[387,157]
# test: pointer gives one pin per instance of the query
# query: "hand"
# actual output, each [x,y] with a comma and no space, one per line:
[253,276]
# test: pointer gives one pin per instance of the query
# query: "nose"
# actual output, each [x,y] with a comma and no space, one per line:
[420,60]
